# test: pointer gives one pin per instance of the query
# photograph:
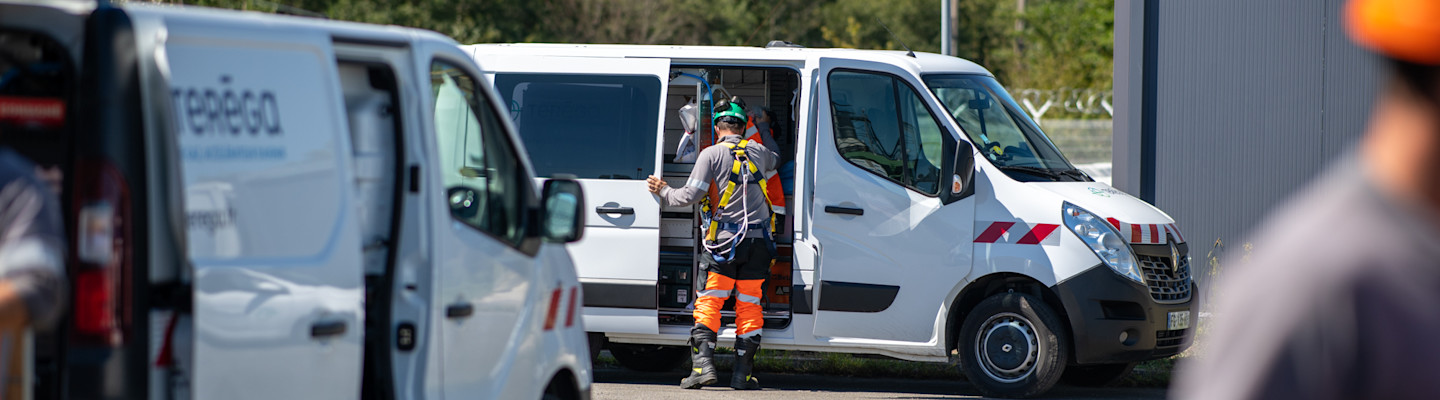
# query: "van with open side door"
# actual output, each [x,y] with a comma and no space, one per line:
[277,207]
[928,217]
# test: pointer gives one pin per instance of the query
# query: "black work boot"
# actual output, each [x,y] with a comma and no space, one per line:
[702,356]
[745,349]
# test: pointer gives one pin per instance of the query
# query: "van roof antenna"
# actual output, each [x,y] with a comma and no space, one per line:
[908,52]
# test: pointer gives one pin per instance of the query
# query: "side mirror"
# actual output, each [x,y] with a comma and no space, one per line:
[465,203]
[563,220]
[962,179]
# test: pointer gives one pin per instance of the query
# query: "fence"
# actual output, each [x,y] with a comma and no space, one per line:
[1085,142]
[1079,102]
[1080,125]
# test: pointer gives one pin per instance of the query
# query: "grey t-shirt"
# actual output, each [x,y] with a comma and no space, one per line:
[1340,300]
[712,167]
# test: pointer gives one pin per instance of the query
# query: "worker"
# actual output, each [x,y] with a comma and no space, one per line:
[760,134]
[1337,300]
[738,244]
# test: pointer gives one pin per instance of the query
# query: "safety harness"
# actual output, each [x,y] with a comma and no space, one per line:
[742,172]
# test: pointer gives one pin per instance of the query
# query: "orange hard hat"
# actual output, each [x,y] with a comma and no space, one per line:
[1407,30]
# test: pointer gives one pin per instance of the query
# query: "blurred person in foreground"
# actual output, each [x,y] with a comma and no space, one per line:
[32,280]
[1341,298]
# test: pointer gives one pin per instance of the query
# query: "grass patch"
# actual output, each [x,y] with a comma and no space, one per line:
[1153,373]
[605,360]
[844,364]
[770,360]
[839,364]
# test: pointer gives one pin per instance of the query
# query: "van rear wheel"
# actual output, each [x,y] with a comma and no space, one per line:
[649,358]
[1013,345]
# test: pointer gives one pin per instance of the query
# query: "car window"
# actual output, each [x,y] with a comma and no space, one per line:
[484,183]
[594,127]
[883,126]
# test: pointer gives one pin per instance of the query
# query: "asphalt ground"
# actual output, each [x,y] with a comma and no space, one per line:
[619,383]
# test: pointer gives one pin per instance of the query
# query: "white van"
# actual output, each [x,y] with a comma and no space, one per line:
[278,207]
[927,215]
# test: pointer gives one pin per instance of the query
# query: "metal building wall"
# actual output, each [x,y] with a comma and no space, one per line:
[1225,107]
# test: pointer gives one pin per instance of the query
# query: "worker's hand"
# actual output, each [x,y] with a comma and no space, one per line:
[656,184]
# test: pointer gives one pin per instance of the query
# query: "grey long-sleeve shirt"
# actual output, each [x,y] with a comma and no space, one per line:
[712,167]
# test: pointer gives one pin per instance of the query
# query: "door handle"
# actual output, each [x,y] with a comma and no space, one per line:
[614,210]
[461,310]
[327,328]
[844,210]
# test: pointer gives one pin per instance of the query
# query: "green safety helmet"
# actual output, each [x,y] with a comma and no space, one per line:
[728,108]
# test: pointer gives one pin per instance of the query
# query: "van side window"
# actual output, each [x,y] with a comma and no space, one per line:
[484,185]
[882,126]
[595,127]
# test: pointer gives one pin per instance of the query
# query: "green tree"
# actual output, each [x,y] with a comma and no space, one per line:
[1067,43]
[861,24]
[1049,44]
[986,34]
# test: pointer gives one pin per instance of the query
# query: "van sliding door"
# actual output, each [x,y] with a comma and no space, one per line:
[601,120]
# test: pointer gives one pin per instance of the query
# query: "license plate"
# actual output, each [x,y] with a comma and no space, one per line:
[1177,320]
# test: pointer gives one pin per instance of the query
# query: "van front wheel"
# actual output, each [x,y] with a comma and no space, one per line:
[649,358]
[1013,345]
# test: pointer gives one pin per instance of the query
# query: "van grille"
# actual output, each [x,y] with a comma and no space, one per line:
[1167,285]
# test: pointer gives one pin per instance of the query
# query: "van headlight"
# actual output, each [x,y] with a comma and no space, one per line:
[1104,240]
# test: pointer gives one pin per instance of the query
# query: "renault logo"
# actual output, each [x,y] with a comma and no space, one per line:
[1174,255]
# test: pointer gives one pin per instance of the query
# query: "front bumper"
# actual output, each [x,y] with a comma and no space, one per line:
[1115,320]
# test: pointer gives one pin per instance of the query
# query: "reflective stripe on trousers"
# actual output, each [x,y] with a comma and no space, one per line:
[749,315]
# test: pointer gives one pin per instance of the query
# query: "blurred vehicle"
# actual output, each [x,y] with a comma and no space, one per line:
[928,217]
[267,206]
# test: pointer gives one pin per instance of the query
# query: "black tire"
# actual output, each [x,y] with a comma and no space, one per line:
[1099,375]
[649,358]
[561,389]
[1013,345]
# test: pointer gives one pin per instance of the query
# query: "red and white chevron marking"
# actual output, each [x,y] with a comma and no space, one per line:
[1147,233]
[1009,232]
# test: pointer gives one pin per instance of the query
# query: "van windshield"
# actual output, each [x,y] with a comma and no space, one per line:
[1002,132]
[595,127]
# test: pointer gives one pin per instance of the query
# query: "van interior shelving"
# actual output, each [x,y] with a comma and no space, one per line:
[680,278]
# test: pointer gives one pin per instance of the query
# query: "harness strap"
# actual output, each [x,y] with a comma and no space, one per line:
[741,161]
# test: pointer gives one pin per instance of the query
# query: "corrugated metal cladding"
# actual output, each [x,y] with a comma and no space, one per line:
[1251,100]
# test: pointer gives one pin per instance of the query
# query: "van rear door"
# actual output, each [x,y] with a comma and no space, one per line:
[272,237]
[600,119]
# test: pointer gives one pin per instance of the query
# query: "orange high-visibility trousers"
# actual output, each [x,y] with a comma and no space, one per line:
[749,317]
